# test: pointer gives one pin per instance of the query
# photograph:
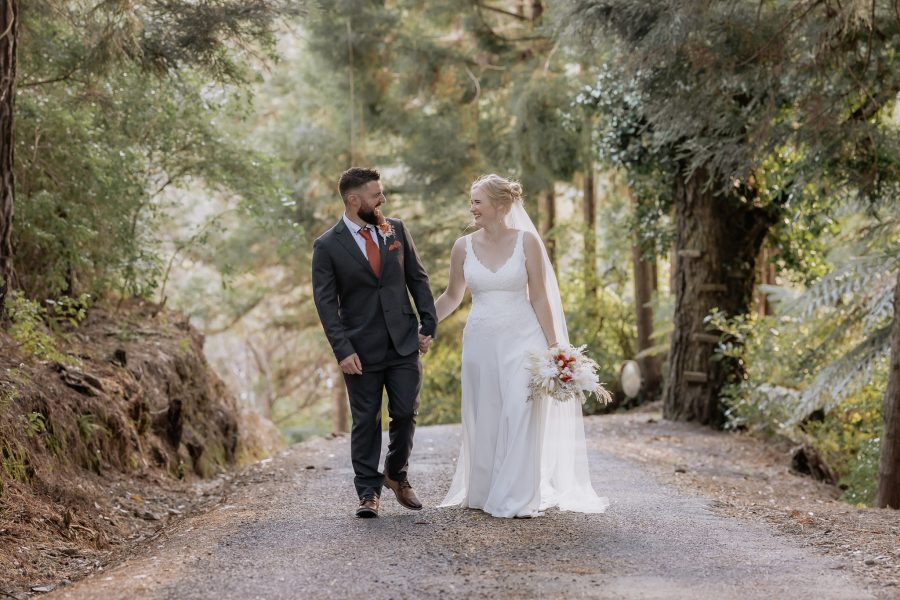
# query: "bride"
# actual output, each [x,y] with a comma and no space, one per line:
[518,457]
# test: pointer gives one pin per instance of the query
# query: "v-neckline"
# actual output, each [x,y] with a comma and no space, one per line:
[506,262]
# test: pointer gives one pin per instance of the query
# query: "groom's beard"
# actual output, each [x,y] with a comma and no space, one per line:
[370,215]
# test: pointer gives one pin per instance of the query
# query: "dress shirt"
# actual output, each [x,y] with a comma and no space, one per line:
[360,240]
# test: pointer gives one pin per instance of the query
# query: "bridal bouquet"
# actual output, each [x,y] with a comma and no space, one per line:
[565,373]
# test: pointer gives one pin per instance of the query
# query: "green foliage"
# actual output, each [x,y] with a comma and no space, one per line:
[849,440]
[70,311]
[545,141]
[723,85]
[14,459]
[37,424]
[604,323]
[623,139]
[861,482]
[34,423]
[854,305]
[116,106]
[441,387]
[29,329]
[9,393]
[38,330]
[817,372]
[89,425]
[770,105]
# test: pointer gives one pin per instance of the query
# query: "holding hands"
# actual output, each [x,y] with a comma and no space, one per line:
[425,342]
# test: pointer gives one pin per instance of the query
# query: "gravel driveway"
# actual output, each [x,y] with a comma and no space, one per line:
[287,531]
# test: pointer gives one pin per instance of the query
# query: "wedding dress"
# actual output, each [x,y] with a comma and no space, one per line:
[518,457]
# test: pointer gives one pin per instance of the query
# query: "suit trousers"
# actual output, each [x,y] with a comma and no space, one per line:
[401,378]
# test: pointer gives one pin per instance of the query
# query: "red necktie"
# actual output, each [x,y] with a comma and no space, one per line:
[372,252]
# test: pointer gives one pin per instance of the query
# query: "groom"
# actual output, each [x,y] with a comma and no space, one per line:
[364,270]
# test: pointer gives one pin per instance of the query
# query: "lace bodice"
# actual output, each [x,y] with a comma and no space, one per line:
[499,298]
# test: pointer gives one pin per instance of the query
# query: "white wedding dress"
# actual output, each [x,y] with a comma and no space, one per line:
[518,457]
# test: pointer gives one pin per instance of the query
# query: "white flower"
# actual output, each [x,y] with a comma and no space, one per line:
[585,379]
[566,379]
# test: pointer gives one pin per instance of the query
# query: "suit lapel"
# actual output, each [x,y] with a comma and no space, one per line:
[382,247]
[345,237]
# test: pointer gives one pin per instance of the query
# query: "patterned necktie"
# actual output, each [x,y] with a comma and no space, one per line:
[372,252]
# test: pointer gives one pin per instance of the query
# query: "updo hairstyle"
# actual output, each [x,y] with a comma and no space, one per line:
[501,192]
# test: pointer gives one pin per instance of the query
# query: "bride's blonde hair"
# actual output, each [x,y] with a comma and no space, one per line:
[501,192]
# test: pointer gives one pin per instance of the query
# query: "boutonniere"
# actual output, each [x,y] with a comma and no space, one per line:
[385,229]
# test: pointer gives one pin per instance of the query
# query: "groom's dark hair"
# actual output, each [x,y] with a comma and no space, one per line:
[356,177]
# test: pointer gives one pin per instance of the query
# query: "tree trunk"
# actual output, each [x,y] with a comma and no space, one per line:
[644,286]
[590,239]
[547,209]
[9,24]
[888,495]
[717,240]
[537,12]
[340,419]
[765,274]
[351,77]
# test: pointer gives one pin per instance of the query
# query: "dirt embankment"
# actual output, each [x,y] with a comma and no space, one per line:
[102,449]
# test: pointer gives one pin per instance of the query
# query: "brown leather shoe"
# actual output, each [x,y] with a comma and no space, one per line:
[368,507]
[406,495]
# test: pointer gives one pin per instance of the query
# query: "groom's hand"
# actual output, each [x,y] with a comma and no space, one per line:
[351,365]
[425,342]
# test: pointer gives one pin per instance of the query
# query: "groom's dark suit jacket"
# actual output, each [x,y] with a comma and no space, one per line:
[364,313]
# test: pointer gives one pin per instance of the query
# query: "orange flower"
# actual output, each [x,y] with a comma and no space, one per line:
[384,227]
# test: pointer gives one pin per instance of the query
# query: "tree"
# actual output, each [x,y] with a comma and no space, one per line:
[888,494]
[645,285]
[92,171]
[9,23]
[723,89]
[717,242]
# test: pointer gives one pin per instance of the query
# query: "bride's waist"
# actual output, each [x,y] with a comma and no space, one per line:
[501,310]
[507,301]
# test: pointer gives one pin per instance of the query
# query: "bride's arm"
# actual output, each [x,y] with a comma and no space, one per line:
[537,291]
[456,289]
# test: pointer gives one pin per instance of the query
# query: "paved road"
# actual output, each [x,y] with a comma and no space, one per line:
[287,532]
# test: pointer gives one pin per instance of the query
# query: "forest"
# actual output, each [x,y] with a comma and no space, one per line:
[716,183]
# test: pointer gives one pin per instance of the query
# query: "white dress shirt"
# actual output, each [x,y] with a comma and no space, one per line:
[360,240]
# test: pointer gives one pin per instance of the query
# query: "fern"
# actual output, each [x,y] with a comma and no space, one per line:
[838,287]
[880,307]
[844,376]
